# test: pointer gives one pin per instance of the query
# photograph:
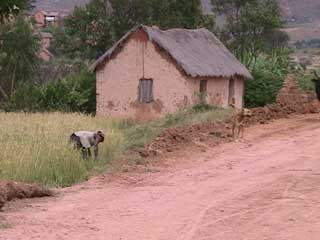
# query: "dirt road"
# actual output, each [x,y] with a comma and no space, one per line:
[266,188]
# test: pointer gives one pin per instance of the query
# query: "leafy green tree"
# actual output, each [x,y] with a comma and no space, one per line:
[85,33]
[248,25]
[18,55]
[94,28]
[73,93]
[10,8]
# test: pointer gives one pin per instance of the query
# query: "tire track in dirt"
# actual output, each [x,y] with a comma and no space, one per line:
[263,188]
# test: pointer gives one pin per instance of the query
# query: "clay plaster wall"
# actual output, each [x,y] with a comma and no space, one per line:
[117,83]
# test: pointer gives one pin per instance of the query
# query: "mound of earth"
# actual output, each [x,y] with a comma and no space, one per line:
[214,133]
[15,190]
[173,139]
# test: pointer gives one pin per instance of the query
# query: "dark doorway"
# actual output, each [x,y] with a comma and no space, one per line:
[231,91]
[203,86]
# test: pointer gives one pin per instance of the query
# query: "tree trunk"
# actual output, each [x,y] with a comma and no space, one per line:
[3,93]
[13,78]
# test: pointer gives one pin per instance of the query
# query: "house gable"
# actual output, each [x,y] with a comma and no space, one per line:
[139,58]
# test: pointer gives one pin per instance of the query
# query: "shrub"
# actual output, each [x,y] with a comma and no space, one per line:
[305,82]
[262,89]
[75,93]
[268,73]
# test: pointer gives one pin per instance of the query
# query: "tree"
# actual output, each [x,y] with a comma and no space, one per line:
[85,33]
[10,8]
[249,24]
[18,55]
[94,28]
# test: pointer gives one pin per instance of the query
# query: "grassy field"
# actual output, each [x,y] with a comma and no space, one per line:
[35,148]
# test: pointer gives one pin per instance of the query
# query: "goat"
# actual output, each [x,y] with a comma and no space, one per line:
[84,140]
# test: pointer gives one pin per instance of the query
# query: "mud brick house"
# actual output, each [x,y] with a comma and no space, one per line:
[47,12]
[149,73]
[51,12]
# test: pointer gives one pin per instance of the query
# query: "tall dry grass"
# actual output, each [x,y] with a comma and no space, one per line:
[35,148]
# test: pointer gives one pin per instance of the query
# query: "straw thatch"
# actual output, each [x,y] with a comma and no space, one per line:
[198,52]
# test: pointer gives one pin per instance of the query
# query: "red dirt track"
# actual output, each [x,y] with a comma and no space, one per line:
[266,188]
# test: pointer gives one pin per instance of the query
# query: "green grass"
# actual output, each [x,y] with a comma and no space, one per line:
[35,147]
[305,82]
[137,135]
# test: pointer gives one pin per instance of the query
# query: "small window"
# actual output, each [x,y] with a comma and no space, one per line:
[50,18]
[203,86]
[146,90]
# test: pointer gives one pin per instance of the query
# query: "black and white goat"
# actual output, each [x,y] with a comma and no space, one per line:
[84,140]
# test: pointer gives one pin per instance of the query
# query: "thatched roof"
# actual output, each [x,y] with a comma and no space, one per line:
[198,52]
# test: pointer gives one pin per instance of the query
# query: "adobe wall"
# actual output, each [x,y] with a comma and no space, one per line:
[218,92]
[40,19]
[117,83]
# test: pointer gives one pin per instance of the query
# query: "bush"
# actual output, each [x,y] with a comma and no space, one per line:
[305,82]
[268,73]
[262,89]
[75,93]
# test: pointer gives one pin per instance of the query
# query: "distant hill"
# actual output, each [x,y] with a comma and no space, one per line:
[303,19]
[300,11]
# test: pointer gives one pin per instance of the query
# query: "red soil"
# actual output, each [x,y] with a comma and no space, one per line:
[15,190]
[220,132]
[266,187]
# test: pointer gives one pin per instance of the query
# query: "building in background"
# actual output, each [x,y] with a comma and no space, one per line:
[149,73]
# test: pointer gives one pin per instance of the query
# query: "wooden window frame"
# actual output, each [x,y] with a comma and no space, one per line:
[145,90]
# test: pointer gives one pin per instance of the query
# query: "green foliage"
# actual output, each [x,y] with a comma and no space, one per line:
[18,54]
[305,82]
[251,32]
[86,32]
[249,24]
[137,135]
[10,8]
[202,107]
[268,73]
[262,89]
[94,28]
[75,93]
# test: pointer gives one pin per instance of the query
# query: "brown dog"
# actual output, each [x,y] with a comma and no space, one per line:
[239,120]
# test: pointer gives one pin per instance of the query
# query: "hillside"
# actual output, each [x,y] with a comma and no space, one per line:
[301,11]
[303,18]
